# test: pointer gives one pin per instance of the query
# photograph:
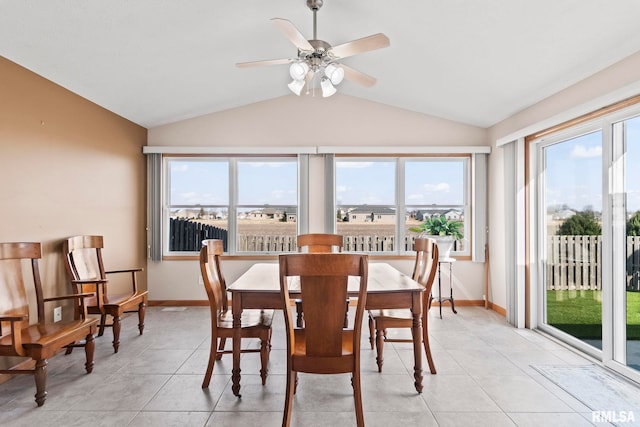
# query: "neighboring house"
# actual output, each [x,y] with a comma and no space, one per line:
[564,214]
[452,214]
[372,214]
[273,214]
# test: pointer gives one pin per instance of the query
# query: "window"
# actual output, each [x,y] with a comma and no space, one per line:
[381,202]
[250,203]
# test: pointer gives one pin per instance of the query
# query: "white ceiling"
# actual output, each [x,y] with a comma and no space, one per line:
[473,61]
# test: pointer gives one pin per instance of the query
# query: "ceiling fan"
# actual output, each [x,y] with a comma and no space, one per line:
[317,59]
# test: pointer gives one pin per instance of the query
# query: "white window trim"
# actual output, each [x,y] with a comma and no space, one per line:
[400,206]
[232,207]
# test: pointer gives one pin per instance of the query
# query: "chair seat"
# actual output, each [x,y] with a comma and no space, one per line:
[249,319]
[52,335]
[116,299]
[403,314]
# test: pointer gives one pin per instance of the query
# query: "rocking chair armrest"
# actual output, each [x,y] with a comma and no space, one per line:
[133,271]
[16,322]
[128,270]
[72,296]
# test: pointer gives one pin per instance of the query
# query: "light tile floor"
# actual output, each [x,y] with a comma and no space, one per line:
[484,379]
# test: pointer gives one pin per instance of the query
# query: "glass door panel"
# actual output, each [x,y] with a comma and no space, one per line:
[572,197]
[631,132]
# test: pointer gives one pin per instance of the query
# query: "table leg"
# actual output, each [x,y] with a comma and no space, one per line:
[453,307]
[416,332]
[440,290]
[236,310]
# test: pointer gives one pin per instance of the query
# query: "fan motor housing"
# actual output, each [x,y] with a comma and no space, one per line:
[314,4]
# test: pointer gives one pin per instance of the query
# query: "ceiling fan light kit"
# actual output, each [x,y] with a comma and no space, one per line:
[317,59]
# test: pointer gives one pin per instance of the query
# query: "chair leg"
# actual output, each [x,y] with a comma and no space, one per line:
[116,333]
[292,378]
[103,322]
[425,341]
[212,358]
[357,397]
[223,342]
[264,357]
[89,349]
[40,375]
[69,349]
[379,348]
[371,331]
[142,309]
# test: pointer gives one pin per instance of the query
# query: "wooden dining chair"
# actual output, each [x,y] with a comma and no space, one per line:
[40,340]
[320,242]
[323,345]
[254,323]
[424,272]
[85,268]
[316,243]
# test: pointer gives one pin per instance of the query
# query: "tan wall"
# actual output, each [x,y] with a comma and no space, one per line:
[68,166]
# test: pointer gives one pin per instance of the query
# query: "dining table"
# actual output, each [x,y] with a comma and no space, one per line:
[387,288]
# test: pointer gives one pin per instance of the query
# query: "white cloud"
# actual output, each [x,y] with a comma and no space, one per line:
[582,152]
[341,188]
[442,187]
[415,197]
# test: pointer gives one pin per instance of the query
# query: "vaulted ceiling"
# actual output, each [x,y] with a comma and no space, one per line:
[472,61]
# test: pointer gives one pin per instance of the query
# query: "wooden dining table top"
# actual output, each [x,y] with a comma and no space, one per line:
[382,278]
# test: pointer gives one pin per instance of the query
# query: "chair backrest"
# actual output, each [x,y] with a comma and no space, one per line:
[212,277]
[320,242]
[424,270]
[13,293]
[83,259]
[323,289]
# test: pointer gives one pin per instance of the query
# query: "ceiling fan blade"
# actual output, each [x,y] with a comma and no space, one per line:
[291,32]
[261,63]
[358,76]
[365,44]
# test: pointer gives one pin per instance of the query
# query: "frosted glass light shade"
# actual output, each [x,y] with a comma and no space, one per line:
[334,73]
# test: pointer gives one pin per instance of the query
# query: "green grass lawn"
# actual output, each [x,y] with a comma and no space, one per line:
[579,313]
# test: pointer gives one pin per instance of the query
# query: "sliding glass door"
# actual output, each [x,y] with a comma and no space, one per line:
[571,224]
[629,132]
[587,228]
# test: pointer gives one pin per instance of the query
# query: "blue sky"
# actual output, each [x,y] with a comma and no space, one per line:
[207,183]
[373,183]
[574,170]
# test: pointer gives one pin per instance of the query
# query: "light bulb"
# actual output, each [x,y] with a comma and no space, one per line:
[296,86]
[334,73]
[327,88]
[298,70]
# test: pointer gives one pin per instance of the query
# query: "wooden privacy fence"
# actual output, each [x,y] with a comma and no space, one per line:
[267,243]
[274,243]
[574,262]
[186,235]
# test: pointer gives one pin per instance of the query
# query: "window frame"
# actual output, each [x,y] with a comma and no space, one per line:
[233,206]
[400,195]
